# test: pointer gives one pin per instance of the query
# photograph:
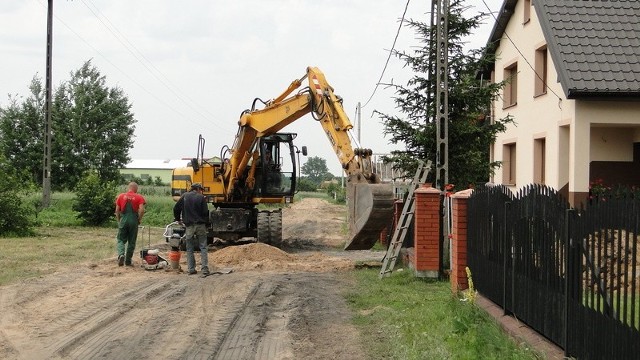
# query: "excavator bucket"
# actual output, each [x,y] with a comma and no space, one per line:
[370,211]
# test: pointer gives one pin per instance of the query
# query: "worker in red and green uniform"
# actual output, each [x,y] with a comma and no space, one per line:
[129,213]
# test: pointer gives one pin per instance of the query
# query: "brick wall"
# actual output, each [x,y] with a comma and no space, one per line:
[425,259]
[458,277]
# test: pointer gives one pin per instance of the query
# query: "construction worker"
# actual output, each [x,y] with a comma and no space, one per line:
[192,211]
[129,213]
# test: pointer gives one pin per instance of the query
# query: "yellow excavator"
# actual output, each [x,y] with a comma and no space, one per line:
[261,168]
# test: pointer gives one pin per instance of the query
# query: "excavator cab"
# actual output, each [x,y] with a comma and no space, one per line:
[277,166]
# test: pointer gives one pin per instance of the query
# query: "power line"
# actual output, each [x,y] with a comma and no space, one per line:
[125,73]
[155,72]
[390,53]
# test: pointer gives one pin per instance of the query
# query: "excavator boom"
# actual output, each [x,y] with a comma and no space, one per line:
[369,201]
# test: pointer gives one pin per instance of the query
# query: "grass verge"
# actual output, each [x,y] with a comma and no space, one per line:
[404,317]
[51,249]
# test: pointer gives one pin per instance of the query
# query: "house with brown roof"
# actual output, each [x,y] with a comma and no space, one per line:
[573,89]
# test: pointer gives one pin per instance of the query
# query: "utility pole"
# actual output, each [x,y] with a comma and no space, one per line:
[46,170]
[441,118]
[441,115]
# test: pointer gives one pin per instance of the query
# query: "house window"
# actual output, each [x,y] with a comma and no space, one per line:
[541,71]
[539,160]
[510,95]
[509,164]
[527,11]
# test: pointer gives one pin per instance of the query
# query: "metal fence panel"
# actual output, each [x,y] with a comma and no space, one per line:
[529,250]
[486,253]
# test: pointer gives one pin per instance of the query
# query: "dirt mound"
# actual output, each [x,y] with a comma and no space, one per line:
[266,257]
[236,255]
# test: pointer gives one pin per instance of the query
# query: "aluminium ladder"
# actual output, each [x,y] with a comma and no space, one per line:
[404,221]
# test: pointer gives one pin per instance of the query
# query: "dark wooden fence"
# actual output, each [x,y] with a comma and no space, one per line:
[528,250]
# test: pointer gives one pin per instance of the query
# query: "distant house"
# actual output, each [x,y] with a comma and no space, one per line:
[573,71]
[150,169]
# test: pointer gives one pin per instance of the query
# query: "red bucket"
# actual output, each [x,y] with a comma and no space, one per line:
[174,255]
[174,259]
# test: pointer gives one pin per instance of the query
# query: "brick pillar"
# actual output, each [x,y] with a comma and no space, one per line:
[426,240]
[458,276]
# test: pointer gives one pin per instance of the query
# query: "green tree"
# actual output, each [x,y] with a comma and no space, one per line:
[470,130]
[93,127]
[316,169]
[17,216]
[95,199]
[21,133]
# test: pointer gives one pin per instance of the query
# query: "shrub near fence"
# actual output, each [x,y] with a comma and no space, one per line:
[529,250]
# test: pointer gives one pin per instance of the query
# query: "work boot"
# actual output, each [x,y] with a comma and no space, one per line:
[120,260]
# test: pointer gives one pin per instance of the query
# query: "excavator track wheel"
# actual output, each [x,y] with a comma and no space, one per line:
[264,231]
[275,227]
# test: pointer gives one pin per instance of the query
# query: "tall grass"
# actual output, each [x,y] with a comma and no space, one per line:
[159,208]
[407,318]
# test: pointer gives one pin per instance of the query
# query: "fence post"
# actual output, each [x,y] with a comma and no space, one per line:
[507,254]
[458,235]
[569,275]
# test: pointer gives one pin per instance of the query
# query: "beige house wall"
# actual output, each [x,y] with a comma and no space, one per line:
[535,117]
[575,132]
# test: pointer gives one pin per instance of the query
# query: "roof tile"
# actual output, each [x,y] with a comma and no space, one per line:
[595,44]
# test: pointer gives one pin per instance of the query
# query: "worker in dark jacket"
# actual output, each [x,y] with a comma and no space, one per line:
[193,212]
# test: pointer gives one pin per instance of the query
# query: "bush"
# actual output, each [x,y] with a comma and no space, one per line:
[18,216]
[95,200]
[305,184]
[337,193]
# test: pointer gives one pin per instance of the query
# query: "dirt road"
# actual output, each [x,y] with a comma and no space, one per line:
[274,305]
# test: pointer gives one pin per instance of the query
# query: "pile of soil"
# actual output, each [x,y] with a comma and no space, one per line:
[266,257]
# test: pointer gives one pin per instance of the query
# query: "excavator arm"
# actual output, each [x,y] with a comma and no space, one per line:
[370,202]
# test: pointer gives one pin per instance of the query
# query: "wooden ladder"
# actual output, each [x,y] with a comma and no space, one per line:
[404,221]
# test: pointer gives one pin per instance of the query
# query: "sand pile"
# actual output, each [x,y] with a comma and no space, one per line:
[235,255]
[266,257]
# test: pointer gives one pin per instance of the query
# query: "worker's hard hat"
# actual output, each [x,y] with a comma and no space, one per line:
[196,186]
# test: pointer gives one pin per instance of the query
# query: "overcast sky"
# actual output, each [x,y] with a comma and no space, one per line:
[191,67]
